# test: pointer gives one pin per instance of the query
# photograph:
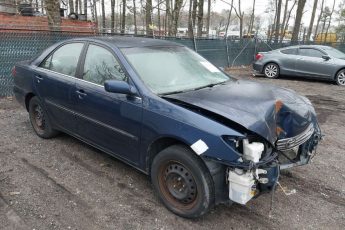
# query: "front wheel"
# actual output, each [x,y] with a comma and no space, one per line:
[271,70]
[182,182]
[340,78]
[40,120]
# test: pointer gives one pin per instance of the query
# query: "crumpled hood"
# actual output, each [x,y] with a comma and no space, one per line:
[272,112]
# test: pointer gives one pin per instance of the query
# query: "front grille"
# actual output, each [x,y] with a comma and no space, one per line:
[289,143]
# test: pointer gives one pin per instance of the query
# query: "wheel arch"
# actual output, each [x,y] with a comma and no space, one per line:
[28,97]
[158,145]
[336,73]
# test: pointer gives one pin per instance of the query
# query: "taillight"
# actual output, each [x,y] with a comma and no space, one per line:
[259,56]
[14,72]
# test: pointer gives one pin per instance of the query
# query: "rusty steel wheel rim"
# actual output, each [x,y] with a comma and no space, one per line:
[39,120]
[177,185]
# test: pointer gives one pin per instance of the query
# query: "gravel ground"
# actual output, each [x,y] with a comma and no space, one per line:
[64,184]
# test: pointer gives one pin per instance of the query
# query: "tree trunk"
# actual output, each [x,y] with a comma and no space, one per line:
[148,18]
[277,23]
[94,10]
[200,17]
[112,17]
[208,18]
[191,21]
[168,16]
[71,6]
[135,17]
[310,28]
[159,16]
[319,19]
[80,7]
[284,19]
[176,15]
[228,22]
[299,14]
[53,14]
[85,9]
[287,22]
[123,21]
[250,28]
[330,19]
[76,7]
[103,15]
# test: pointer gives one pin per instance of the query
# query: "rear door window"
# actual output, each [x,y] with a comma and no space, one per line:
[292,51]
[65,59]
[310,52]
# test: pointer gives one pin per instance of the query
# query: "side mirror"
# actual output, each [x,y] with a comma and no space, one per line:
[326,57]
[115,86]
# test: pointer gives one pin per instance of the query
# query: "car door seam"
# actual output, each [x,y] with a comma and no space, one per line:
[94,121]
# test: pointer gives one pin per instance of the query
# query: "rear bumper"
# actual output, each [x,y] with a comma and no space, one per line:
[257,67]
[19,95]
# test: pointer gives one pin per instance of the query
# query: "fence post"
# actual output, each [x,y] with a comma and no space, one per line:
[227,51]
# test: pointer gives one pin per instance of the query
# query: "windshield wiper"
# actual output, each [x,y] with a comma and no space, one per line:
[211,85]
[187,90]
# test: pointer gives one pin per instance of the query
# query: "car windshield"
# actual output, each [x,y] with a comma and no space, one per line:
[168,70]
[334,52]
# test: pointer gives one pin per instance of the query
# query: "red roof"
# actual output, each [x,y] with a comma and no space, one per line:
[35,23]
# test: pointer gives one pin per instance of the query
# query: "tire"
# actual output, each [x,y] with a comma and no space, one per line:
[40,120]
[271,70]
[183,182]
[340,78]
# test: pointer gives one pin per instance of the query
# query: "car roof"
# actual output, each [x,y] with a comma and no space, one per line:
[127,41]
[305,46]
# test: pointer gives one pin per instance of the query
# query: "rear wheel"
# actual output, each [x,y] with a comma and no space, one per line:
[39,119]
[182,182]
[340,78]
[271,70]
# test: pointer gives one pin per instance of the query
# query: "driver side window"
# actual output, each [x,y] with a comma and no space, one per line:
[101,65]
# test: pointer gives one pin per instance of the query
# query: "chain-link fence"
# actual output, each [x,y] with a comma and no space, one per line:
[18,45]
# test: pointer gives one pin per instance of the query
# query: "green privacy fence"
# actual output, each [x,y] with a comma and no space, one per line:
[18,45]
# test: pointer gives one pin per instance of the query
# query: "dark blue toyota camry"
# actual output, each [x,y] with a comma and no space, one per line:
[202,136]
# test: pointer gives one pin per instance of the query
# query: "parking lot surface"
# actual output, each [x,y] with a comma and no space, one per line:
[62,183]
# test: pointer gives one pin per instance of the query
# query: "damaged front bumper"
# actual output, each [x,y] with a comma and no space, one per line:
[254,178]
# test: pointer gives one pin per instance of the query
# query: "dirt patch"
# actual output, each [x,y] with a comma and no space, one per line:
[64,184]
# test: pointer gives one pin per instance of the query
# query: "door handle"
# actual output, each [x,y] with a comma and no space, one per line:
[38,78]
[81,93]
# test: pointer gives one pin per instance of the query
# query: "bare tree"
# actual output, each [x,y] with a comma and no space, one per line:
[330,19]
[229,18]
[252,16]
[112,15]
[208,18]
[168,16]
[286,25]
[123,20]
[176,15]
[53,14]
[134,17]
[299,14]
[71,6]
[193,4]
[200,17]
[310,28]
[103,14]
[148,18]
[85,9]
[319,18]
[76,7]
[277,22]
[284,18]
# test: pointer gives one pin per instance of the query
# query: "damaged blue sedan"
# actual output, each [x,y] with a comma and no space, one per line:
[202,136]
